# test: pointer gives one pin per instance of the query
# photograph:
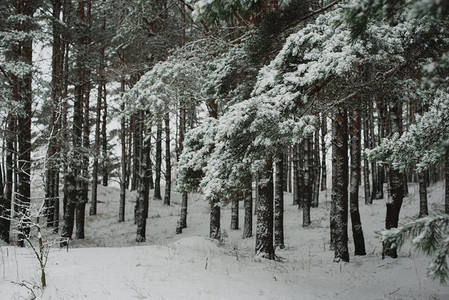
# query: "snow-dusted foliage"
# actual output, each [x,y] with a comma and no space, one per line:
[422,144]
[163,86]
[429,235]
[212,11]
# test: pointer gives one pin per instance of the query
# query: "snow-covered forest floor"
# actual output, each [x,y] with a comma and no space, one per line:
[109,264]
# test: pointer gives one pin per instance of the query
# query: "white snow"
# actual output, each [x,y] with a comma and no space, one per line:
[108,264]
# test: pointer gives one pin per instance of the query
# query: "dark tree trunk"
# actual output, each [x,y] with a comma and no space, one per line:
[264,229]
[7,196]
[104,140]
[295,175]
[446,184]
[5,212]
[316,167]
[423,210]
[235,215]
[396,182]
[323,151]
[355,152]
[248,203]
[167,160]
[279,203]
[93,207]
[52,176]
[307,182]
[157,182]
[143,184]
[121,217]
[136,147]
[23,52]
[70,193]
[184,201]
[339,211]
[285,172]
[215,232]
[366,171]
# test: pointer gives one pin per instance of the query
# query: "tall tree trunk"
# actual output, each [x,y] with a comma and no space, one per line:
[316,167]
[371,143]
[396,181]
[339,211]
[142,181]
[285,172]
[264,229]
[248,203]
[5,212]
[295,175]
[279,203]
[182,131]
[52,176]
[7,197]
[423,210]
[214,228]
[355,153]
[23,52]
[307,182]
[323,151]
[366,169]
[235,214]
[101,83]
[121,217]
[167,160]
[446,184]
[157,182]
[104,140]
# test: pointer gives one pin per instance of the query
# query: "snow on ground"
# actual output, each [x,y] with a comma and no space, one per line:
[108,264]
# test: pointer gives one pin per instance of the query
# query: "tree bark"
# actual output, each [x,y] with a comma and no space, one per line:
[316,167]
[323,152]
[423,210]
[121,217]
[295,175]
[279,203]
[446,184]
[248,203]
[215,232]
[339,211]
[167,160]
[235,215]
[264,229]
[355,153]
[157,182]
[307,182]
[366,169]
[396,182]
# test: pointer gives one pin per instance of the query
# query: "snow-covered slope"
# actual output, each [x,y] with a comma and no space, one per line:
[108,264]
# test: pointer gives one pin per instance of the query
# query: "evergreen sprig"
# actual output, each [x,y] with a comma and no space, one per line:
[429,235]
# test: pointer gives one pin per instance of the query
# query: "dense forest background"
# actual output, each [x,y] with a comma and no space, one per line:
[239,101]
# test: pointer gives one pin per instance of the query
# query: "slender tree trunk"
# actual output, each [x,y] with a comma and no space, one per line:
[167,160]
[323,151]
[215,232]
[446,184]
[182,130]
[316,167]
[157,182]
[279,203]
[7,197]
[355,152]
[339,211]
[423,210]
[307,182]
[264,229]
[285,172]
[396,182]
[366,170]
[295,175]
[248,203]
[235,215]
[121,217]
[143,186]
[5,212]
[104,140]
